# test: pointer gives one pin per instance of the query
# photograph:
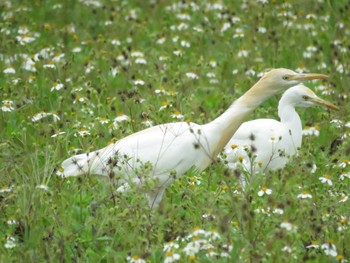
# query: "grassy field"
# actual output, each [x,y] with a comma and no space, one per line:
[76,75]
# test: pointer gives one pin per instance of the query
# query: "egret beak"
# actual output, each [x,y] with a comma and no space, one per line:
[305,77]
[323,103]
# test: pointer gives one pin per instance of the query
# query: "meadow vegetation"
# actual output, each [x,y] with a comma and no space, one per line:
[77,75]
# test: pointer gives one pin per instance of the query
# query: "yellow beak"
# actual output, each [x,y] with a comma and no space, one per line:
[311,76]
[323,103]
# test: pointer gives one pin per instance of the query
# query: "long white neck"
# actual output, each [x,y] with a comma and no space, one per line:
[290,119]
[224,126]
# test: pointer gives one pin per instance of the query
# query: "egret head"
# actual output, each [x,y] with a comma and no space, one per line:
[301,96]
[282,78]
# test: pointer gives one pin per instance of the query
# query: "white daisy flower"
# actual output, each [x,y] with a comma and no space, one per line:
[171,257]
[192,75]
[307,131]
[288,226]
[9,71]
[343,198]
[344,163]
[135,259]
[57,134]
[161,41]
[139,82]
[82,133]
[344,175]
[304,195]
[5,189]
[7,106]
[11,222]
[326,179]
[313,244]
[177,115]
[50,65]
[42,187]
[329,249]
[122,117]
[141,61]
[264,190]
[76,50]
[57,86]
[242,53]
[170,246]
[10,242]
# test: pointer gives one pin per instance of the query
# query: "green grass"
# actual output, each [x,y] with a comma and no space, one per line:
[86,220]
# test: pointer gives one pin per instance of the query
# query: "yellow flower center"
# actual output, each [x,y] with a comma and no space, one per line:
[47,26]
[169,254]
[192,258]
[234,146]
[343,221]
[225,187]
[264,188]
[136,257]
[340,257]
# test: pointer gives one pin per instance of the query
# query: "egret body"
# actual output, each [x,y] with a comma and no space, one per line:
[169,150]
[267,144]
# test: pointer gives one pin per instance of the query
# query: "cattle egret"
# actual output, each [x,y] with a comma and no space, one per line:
[165,152]
[266,144]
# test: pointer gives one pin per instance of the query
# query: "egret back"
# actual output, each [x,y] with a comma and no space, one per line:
[169,148]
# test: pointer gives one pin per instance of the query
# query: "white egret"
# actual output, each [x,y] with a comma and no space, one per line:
[165,152]
[267,144]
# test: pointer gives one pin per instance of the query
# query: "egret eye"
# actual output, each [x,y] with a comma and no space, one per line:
[286,77]
[305,97]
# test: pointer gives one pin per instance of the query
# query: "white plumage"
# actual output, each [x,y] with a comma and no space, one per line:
[165,152]
[267,144]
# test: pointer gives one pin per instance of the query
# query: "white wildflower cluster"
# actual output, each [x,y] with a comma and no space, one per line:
[139,57]
[328,249]
[288,226]
[269,211]
[42,115]
[264,191]
[10,242]
[199,243]
[25,36]
[308,131]
[7,105]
